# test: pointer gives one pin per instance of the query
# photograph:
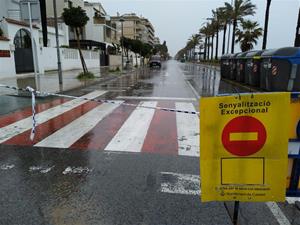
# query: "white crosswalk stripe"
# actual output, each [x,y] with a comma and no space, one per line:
[23,125]
[187,131]
[69,134]
[131,136]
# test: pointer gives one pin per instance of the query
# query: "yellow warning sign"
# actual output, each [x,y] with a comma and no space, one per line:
[244,147]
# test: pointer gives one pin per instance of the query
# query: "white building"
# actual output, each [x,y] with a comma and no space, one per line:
[17,52]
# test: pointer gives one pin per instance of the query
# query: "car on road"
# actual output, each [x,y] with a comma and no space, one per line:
[155,61]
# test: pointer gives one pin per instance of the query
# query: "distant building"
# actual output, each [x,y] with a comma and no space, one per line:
[134,27]
[156,41]
[60,5]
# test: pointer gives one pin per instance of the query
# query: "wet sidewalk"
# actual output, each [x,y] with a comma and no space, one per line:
[49,82]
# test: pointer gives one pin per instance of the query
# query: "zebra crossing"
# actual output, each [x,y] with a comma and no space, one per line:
[84,125]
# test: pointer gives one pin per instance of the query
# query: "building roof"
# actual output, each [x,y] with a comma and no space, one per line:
[20,23]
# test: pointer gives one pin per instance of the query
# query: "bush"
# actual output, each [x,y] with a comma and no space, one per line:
[84,76]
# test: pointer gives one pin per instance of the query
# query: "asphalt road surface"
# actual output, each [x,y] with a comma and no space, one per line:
[92,163]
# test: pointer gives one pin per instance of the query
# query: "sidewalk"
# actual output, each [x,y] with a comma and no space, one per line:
[48,82]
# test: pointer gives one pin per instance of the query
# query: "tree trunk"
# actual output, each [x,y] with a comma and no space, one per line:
[264,46]
[217,45]
[136,61]
[85,70]
[212,47]
[233,36]
[224,38]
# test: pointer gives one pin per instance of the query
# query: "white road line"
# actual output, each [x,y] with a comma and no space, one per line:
[278,214]
[69,134]
[155,98]
[25,124]
[176,183]
[131,136]
[193,89]
[187,131]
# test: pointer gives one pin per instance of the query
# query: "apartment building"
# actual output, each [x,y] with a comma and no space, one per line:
[60,5]
[134,27]
[156,41]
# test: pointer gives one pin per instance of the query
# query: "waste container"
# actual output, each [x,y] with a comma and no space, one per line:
[225,66]
[285,70]
[232,66]
[265,68]
[252,69]
[240,67]
[280,70]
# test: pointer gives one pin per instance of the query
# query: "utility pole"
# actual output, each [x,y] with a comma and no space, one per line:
[122,42]
[229,31]
[57,44]
[264,46]
[297,39]
[32,40]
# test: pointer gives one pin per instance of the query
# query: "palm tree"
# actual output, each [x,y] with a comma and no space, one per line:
[248,35]
[225,15]
[195,41]
[241,8]
[264,46]
[205,32]
[218,22]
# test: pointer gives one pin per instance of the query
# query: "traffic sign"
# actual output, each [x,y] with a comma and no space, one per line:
[244,136]
[243,147]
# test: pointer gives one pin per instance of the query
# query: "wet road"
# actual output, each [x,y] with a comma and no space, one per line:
[116,164]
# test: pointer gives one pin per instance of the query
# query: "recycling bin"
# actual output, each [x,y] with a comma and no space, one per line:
[252,68]
[232,66]
[285,70]
[240,67]
[265,69]
[225,66]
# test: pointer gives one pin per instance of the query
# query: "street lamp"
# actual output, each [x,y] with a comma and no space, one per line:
[122,40]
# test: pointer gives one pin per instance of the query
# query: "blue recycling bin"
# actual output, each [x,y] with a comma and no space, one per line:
[252,68]
[240,67]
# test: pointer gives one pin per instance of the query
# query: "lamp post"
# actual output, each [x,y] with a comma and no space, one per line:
[57,45]
[122,40]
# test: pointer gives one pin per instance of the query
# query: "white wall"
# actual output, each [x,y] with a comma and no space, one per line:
[7,65]
[69,59]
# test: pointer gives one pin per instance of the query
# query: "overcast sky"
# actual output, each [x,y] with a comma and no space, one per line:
[176,20]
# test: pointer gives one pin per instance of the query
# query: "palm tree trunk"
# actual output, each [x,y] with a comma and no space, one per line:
[217,44]
[224,38]
[208,47]
[85,70]
[233,36]
[212,47]
[205,48]
[264,46]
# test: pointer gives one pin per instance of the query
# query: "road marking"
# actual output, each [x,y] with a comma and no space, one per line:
[72,132]
[40,169]
[23,125]
[99,137]
[193,89]
[277,213]
[49,127]
[7,166]
[187,131]
[131,136]
[162,134]
[155,98]
[177,183]
[76,170]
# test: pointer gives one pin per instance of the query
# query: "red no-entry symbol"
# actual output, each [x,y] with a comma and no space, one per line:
[244,136]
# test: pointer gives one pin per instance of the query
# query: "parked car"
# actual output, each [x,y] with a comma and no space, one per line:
[155,61]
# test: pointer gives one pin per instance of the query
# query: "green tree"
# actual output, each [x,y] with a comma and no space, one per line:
[240,9]
[218,23]
[204,31]
[265,40]
[76,18]
[194,41]
[248,35]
